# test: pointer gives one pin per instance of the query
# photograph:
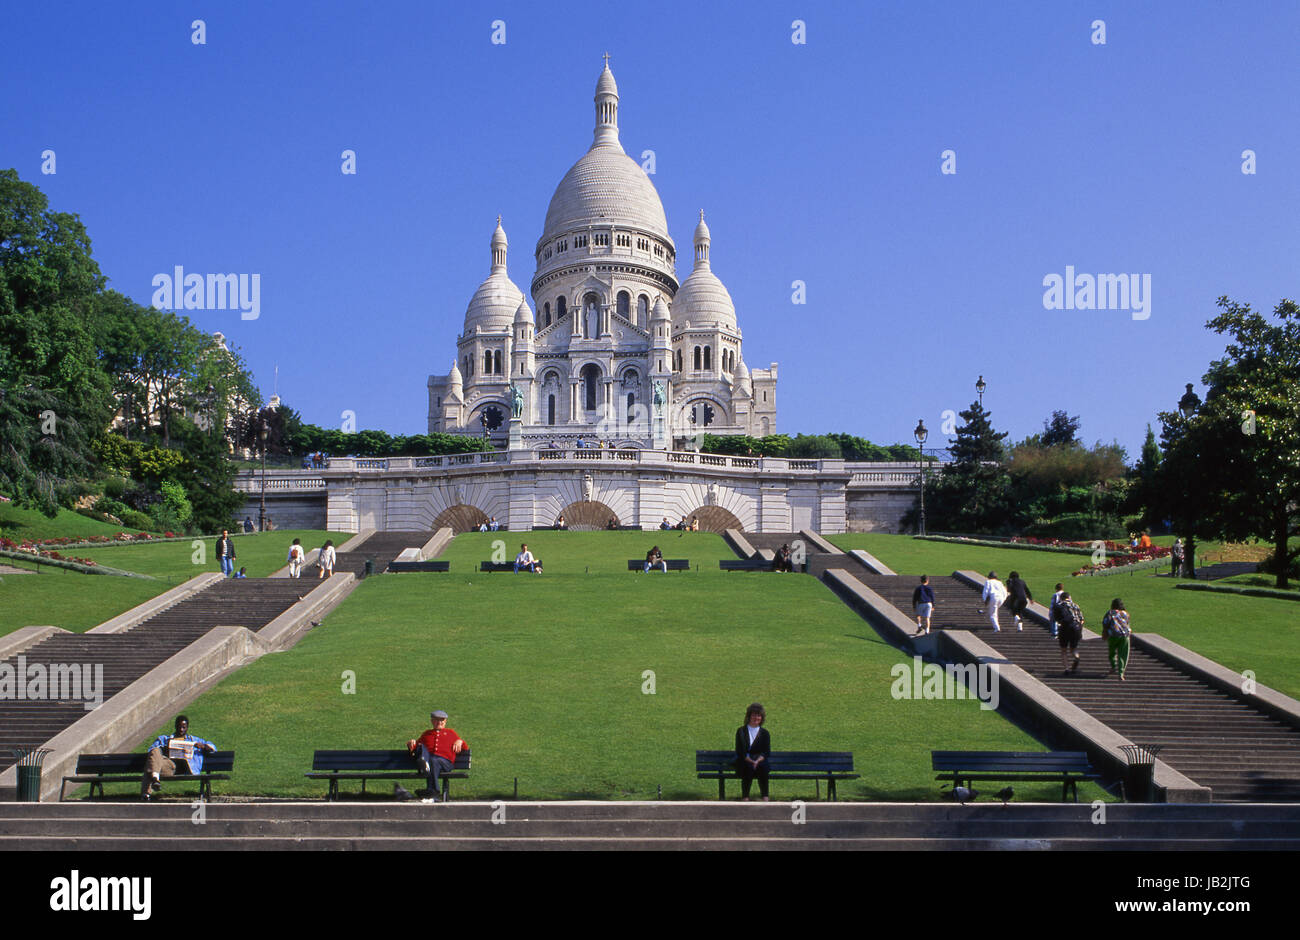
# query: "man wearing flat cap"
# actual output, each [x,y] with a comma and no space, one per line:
[435,752]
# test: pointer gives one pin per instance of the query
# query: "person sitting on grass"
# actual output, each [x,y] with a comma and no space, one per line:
[172,754]
[435,753]
[665,525]
[243,573]
[612,524]
[525,561]
[655,557]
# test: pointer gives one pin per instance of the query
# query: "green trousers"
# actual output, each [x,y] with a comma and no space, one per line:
[1118,649]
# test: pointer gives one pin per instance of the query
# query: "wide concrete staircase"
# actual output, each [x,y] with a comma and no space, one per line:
[128,655]
[107,826]
[1239,751]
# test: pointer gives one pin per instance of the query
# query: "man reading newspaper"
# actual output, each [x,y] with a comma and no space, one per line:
[172,754]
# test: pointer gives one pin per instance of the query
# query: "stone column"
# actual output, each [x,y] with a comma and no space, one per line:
[773,509]
[650,503]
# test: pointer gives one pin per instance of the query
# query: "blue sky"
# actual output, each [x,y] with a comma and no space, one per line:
[817,162]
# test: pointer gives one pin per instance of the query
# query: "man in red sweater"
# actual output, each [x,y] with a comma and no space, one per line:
[435,752]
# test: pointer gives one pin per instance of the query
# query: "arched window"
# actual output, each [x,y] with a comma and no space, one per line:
[707,364]
[631,406]
[697,359]
[624,304]
[550,409]
[677,360]
[497,363]
[642,310]
[487,362]
[590,380]
[561,308]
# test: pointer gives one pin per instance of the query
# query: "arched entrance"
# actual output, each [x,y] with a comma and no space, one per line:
[461,518]
[587,516]
[715,519]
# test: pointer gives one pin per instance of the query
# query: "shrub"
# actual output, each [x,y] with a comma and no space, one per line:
[135,520]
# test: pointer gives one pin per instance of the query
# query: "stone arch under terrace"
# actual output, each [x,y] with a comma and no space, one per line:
[587,516]
[715,519]
[460,518]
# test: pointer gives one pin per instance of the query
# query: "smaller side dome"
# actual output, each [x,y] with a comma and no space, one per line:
[524,314]
[741,380]
[454,377]
[660,311]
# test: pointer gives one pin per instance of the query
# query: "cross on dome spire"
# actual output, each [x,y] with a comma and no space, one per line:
[606,60]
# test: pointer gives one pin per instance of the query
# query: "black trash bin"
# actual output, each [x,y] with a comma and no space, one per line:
[1140,778]
[29,772]
[370,567]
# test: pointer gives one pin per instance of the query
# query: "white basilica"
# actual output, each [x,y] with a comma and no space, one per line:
[613,348]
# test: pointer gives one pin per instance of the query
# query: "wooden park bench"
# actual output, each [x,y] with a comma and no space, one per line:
[746,564]
[99,769]
[376,765]
[964,767]
[782,765]
[674,564]
[399,566]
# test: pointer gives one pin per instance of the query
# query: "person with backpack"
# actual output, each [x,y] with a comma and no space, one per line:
[1018,591]
[995,594]
[1116,627]
[1070,620]
[923,604]
[1051,610]
[296,556]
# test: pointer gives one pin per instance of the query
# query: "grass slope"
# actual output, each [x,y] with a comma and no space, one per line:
[1255,633]
[20,524]
[545,676]
[78,602]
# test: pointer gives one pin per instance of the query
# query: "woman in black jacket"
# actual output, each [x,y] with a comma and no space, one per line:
[753,748]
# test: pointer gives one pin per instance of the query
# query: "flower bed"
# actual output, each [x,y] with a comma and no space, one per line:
[1123,559]
[89,541]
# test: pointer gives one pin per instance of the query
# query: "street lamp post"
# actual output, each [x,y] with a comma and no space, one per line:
[921,434]
[979,389]
[263,432]
[1187,405]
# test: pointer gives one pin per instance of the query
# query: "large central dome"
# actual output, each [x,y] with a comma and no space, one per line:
[606,186]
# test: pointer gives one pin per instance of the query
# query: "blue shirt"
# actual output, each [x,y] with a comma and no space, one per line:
[196,762]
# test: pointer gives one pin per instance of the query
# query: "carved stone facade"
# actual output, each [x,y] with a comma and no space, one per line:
[608,323]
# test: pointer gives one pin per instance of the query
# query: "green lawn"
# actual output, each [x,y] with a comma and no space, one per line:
[80,601]
[1256,633]
[545,677]
[20,524]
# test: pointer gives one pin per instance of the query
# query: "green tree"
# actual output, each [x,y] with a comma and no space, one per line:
[1060,429]
[1233,469]
[973,492]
